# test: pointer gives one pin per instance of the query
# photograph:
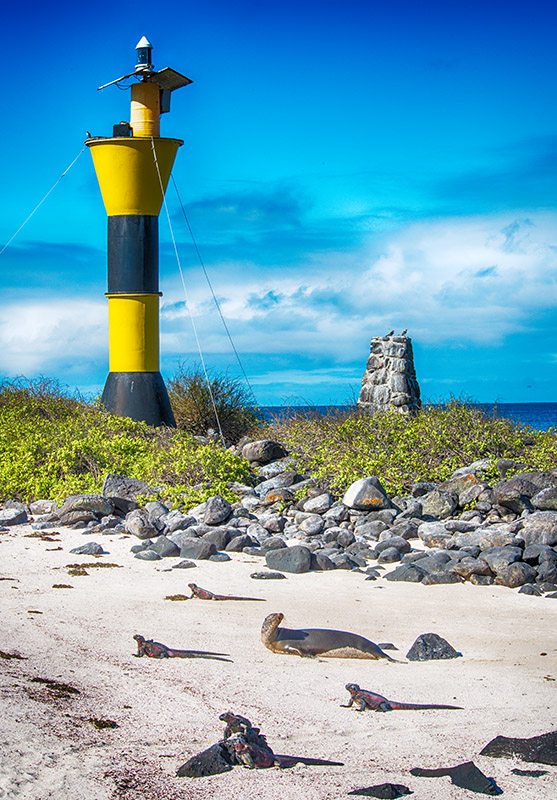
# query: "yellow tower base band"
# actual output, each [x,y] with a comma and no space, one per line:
[133,332]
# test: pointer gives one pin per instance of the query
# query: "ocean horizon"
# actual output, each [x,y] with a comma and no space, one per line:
[540,416]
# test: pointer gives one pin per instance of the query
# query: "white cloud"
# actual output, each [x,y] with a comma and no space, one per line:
[472,280]
[42,336]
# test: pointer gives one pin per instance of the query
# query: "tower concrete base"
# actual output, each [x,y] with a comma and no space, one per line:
[142,396]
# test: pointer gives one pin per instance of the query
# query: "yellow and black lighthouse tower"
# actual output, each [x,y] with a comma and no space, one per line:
[133,168]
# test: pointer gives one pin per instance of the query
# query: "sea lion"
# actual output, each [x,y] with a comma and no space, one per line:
[312,642]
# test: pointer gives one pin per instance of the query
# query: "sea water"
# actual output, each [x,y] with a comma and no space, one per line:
[540,416]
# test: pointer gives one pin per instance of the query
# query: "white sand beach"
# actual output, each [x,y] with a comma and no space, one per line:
[168,710]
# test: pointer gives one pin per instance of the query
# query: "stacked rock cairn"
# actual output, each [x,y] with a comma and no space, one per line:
[389,381]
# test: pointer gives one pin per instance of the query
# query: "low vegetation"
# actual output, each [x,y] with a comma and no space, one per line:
[194,402]
[341,447]
[53,445]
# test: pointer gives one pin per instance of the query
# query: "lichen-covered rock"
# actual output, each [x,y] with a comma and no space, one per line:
[438,504]
[124,487]
[367,494]
[469,566]
[516,574]
[92,503]
[546,499]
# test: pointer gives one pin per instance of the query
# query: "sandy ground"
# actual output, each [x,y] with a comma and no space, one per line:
[168,710]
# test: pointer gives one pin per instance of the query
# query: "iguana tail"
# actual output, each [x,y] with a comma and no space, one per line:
[197,654]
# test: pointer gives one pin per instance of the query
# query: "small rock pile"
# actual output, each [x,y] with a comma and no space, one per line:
[503,534]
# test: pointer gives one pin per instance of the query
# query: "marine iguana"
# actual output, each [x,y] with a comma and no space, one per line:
[152,649]
[205,594]
[376,702]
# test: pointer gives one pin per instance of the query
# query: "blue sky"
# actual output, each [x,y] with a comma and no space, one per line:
[348,168]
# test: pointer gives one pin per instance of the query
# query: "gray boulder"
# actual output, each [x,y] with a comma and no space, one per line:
[272,522]
[312,525]
[137,523]
[469,566]
[273,543]
[434,534]
[295,559]
[237,544]
[179,537]
[540,527]
[407,572]
[147,555]
[176,521]
[498,558]
[285,479]
[165,547]
[89,549]
[319,504]
[13,516]
[220,537]
[197,549]
[77,519]
[398,542]
[446,576]
[547,572]
[321,562]
[389,555]
[371,529]
[217,510]
[345,538]
[431,646]
[263,451]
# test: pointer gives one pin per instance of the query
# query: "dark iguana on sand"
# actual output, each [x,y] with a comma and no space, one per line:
[152,649]
[205,594]
[254,757]
[312,642]
[235,723]
[376,702]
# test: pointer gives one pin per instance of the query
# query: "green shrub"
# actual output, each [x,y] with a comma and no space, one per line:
[53,445]
[194,410]
[342,447]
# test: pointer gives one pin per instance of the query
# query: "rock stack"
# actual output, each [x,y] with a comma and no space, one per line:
[390,381]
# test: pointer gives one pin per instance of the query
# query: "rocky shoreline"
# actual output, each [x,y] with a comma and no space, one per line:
[464,529]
